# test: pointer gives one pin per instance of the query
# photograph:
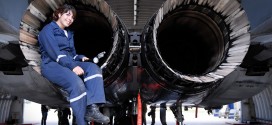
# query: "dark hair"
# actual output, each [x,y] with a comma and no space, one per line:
[64,9]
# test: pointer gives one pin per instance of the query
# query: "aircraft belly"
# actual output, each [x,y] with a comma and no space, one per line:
[236,87]
[32,86]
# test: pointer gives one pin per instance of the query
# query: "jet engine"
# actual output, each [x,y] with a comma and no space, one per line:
[189,46]
[97,29]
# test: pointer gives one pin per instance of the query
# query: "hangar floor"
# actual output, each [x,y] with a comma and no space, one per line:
[32,115]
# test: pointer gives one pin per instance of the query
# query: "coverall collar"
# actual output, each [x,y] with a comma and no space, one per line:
[56,27]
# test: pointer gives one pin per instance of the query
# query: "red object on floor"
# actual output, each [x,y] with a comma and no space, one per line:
[139,116]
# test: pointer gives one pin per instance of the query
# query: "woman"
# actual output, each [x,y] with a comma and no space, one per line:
[63,67]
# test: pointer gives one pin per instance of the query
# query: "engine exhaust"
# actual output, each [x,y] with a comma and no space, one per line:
[191,44]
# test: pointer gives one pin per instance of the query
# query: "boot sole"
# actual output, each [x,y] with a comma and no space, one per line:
[89,119]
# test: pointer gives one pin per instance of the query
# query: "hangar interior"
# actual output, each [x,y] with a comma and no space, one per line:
[134,14]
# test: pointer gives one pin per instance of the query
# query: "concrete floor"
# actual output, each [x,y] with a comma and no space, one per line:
[32,115]
[189,118]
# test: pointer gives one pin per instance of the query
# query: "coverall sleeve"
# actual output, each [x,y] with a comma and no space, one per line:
[76,56]
[48,41]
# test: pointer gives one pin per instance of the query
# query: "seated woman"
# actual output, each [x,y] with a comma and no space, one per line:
[62,66]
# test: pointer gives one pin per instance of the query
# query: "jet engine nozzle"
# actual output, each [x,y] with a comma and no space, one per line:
[96,29]
[189,42]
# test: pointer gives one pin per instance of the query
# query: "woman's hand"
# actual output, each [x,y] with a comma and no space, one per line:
[78,70]
[85,59]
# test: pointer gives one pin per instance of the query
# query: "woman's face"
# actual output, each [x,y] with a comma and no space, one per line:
[65,19]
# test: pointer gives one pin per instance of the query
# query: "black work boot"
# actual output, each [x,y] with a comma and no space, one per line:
[93,114]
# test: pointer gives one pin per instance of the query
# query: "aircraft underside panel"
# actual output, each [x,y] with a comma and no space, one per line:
[32,86]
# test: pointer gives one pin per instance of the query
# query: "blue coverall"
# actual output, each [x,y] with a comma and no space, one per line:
[58,60]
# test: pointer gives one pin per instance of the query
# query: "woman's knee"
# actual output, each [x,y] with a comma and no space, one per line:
[78,85]
[94,67]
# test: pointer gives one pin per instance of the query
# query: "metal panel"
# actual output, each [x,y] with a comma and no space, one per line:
[125,10]
[263,103]
[266,100]
[269,91]
[5,103]
[1,111]
[257,106]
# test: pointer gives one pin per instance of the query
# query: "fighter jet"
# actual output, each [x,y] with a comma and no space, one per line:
[201,53]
